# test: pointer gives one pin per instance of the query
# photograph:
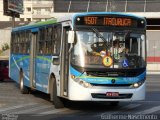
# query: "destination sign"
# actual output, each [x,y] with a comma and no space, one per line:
[113,21]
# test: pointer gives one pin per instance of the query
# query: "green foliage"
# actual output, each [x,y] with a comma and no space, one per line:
[5,46]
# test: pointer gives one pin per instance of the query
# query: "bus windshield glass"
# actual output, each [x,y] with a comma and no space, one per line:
[108,49]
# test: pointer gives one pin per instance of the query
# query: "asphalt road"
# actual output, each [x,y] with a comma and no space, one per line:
[37,106]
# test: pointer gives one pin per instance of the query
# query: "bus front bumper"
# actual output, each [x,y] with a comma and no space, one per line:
[79,93]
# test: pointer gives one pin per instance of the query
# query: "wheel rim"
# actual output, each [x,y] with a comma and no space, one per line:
[21,83]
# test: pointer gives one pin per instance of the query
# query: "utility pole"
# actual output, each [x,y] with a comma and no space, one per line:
[13,8]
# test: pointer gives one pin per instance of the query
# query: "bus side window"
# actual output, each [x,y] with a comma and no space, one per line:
[41,42]
[50,39]
[53,40]
[12,42]
[56,39]
[47,46]
[21,42]
[25,43]
[45,42]
[17,43]
[28,39]
[134,48]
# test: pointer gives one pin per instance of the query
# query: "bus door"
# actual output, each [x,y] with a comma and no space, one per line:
[33,57]
[64,71]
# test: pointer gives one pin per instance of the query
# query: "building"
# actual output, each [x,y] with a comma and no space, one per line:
[34,10]
[107,5]
[5,31]
[37,10]
[3,18]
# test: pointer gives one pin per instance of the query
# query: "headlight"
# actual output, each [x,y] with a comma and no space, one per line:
[137,84]
[86,84]
[82,83]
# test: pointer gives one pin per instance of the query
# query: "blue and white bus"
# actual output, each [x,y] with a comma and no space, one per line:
[97,56]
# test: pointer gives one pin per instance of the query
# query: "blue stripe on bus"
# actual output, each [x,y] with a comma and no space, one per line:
[43,64]
[16,62]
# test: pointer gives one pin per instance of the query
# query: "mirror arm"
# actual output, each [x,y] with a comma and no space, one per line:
[71,36]
[70,48]
[56,61]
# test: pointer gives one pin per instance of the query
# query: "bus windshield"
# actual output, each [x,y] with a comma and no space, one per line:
[108,49]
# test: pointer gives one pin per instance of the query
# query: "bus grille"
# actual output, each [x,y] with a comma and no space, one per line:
[111,85]
[113,74]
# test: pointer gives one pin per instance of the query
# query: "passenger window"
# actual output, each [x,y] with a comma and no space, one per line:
[56,39]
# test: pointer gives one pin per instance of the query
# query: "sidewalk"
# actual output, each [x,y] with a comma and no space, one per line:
[153,72]
[153,68]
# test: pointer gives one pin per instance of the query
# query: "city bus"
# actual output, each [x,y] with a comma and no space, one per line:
[94,56]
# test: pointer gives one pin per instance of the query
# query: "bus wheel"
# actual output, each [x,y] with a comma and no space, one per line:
[114,103]
[23,88]
[57,101]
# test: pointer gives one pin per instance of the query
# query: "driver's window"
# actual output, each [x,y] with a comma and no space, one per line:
[134,46]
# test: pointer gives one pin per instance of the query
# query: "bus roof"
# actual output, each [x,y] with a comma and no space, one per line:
[70,17]
[34,25]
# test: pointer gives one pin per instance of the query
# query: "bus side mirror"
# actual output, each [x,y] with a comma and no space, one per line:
[56,61]
[71,37]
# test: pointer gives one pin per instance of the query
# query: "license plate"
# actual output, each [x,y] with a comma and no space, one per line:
[112,94]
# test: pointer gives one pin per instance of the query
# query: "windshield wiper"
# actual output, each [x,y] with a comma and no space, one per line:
[99,35]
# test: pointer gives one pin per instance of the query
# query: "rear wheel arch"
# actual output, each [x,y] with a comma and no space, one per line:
[50,83]
[20,74]
[24,89]
[57,101]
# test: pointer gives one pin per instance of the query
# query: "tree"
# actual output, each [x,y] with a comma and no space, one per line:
[5,46]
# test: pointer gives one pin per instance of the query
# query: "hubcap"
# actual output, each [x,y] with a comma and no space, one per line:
[21,83]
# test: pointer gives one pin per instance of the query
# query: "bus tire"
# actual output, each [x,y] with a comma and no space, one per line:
[114,103]
[23,88]
[57,101]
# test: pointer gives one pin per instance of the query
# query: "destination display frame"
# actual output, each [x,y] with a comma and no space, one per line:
[109,21]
